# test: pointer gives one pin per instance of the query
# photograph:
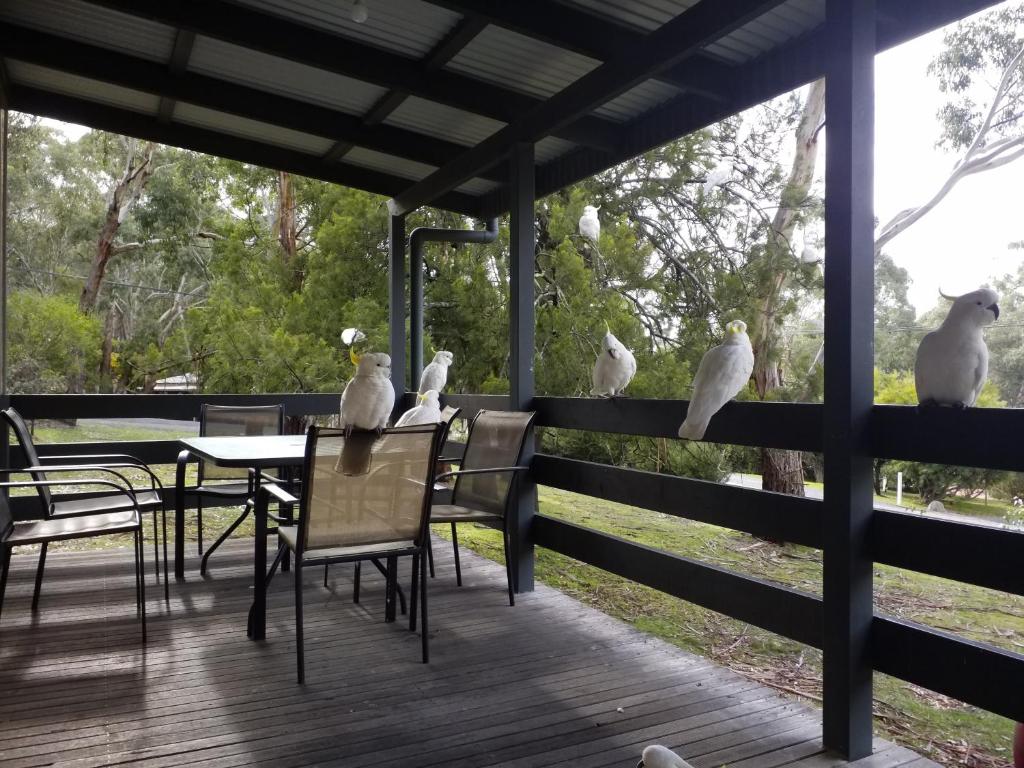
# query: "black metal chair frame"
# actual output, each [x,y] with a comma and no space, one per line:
[268,492]
[94,462]
[229,489]
[8,546]
[513,587]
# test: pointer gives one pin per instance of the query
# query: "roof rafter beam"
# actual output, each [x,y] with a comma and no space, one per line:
[65,55]
[672,42]
[5,85]
[184,40]
[277,36]
[591,36]
[138,125]
[458,38]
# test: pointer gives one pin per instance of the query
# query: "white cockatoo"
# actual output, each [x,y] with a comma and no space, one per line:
[952,360]
[369,397]
[590,225]
[657,756]
[717,176]
[614,367]
[435,375]
[426,411]
[723,372]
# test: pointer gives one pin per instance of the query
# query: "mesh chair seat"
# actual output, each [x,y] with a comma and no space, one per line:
[105,503]
[453,513]
[289,535]
[53,529]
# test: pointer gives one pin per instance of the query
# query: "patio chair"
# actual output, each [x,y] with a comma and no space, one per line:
[230,482]
[107,463]
[485,478]
[51,528]
[378,514]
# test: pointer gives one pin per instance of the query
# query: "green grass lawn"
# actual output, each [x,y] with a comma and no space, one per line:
[942,729]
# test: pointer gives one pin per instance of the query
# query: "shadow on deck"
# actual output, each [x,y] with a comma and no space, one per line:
[549,682]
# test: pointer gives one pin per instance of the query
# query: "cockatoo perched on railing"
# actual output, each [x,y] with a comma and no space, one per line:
[614,367]
[426,411]
[657,756]
[723,372]
[952,360]
[369,396]
[590,225]
[435,375]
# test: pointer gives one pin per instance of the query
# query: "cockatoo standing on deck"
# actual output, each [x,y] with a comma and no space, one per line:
[426,411]
[952,361]
[614,367]
[590,225]
[435,375]
[723,372]
[657,756]
[369,397]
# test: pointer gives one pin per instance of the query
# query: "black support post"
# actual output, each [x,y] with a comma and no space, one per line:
[849,358]
[522,243]
[396,307]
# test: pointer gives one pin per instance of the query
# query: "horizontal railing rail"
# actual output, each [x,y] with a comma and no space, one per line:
[164,406]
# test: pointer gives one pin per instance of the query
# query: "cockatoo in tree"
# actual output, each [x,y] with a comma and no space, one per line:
[952,360]
[426,411]
[723,372]
[369,397]
[435,375]
[590,225]
[614,367]
[720,174]
[657,756]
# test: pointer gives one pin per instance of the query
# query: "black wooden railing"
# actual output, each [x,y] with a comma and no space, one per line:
[984,556]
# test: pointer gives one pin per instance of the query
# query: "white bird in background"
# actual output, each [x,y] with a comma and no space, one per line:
[614,367]
[808,255]
[369,397]
[720,174]
[723,372]
[590,225]
[426,411]
[657,756]
[952,360]
[435,375]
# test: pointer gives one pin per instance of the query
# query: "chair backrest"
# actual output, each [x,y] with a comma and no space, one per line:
[386,499]
[496,439]
[24,437]
[448,414]
[6,518]
[236,421]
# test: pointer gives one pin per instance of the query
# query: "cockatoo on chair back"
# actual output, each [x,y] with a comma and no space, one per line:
[369,397]
[723,372]
[426,411]
[952,360]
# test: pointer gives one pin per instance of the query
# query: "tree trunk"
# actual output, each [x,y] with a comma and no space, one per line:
[287,232]
[138,169]
[782,471]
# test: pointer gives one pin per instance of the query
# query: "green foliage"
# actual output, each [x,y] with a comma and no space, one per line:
[895,341]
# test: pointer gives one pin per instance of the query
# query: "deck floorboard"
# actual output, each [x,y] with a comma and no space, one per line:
[550,682]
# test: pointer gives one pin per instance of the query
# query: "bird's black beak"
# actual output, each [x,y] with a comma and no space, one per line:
[640,764]
[614,356]
[995,309]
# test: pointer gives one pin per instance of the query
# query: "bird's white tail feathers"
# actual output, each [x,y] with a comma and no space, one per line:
[691,429]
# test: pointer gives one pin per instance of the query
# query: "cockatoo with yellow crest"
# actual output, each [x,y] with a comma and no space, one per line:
[435,375]
[590,225]
[952,361]
[614,367]
[369,396]
[723,372]
[426,411]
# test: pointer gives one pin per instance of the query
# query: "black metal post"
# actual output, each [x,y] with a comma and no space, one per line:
[849,363]
[5,455]
[522,246]
[396,308]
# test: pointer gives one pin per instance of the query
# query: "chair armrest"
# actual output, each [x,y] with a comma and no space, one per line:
[279,493]
[96,458]
[84,481]
[67,469]
[484,471]
[154,481]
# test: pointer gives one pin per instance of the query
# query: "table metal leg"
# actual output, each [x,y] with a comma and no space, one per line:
[179,517]
[257,628]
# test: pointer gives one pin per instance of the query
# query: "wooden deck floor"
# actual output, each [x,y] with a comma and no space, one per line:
[549,682]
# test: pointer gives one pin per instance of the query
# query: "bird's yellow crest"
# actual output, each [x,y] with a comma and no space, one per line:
[353,356]
[422,397]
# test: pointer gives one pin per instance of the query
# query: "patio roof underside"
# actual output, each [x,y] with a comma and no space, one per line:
[422,101]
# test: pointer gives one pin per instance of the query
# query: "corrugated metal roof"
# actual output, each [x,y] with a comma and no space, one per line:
[94,24]
[33,76]
[641,15]
[190,114]
[522,63]
[408,169]
[277,75]
[549,148]
[442,122]
[637,100]
[408,27]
